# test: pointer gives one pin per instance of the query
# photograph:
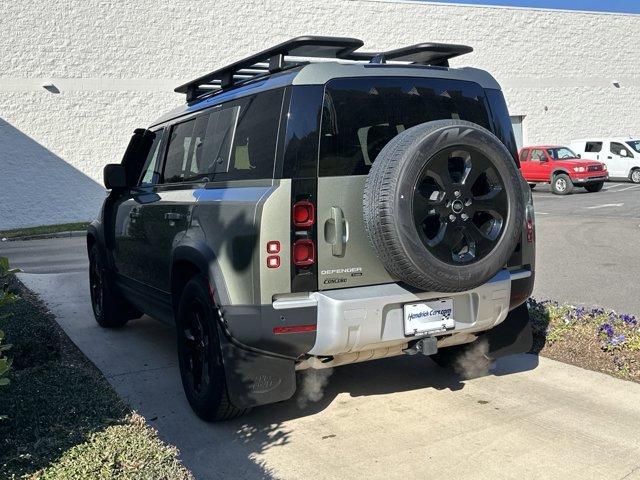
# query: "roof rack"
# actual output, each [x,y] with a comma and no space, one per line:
[275,59]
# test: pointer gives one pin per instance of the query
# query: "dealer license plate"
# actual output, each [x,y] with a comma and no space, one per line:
[428,317]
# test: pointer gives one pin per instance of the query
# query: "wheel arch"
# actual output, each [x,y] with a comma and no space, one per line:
[558,171]
[188,260]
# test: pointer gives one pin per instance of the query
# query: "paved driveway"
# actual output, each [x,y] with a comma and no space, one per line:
[396,418]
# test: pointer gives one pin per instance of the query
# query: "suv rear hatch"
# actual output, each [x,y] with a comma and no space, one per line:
[359,117]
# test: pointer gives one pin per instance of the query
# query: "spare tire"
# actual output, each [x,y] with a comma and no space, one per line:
[444,206]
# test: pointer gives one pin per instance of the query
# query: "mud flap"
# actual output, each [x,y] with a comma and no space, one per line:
[253,378]
[512,336]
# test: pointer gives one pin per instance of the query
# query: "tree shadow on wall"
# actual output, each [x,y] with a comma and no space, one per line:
[40,188]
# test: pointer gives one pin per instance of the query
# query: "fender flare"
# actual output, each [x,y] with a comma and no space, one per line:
[555,172]
[202,256]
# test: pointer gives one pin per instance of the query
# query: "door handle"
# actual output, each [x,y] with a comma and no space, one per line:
[609,158]
[173,216]
[134,214]
[337,245]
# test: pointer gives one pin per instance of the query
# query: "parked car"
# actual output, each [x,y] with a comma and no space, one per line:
[621,155]
[301,214]
[562,168]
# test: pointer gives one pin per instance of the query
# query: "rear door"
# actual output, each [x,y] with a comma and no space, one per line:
[359,117]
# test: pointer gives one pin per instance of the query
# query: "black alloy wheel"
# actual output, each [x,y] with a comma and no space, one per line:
[460,205]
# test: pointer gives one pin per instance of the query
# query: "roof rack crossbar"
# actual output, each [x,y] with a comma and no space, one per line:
[279,58]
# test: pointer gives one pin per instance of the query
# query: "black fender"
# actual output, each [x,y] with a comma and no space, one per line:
[203,257]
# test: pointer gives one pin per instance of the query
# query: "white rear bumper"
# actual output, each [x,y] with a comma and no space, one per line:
[367,319]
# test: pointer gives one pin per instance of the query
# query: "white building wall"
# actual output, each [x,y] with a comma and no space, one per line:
[115,65]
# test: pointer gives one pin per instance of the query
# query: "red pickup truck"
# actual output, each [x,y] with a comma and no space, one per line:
[562,168]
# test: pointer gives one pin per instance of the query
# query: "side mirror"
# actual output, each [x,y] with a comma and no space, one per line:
[115,178]
[624,153]
[544,159]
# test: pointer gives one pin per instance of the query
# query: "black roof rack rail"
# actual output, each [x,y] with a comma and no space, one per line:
[270,61]
[434,54]
[273,60]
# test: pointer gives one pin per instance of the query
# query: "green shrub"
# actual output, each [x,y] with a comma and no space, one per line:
[6,297]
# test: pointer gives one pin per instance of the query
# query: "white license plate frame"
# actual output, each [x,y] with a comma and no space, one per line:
[428,317]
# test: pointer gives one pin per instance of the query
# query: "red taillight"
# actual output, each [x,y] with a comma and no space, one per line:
[304,253]
[304,214]
[530,225]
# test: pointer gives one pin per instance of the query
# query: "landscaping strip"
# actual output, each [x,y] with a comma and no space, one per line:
[44,230]
[64,421]
[591,338]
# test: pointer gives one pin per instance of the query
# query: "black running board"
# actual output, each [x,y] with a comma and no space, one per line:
[512,336]
[255,378]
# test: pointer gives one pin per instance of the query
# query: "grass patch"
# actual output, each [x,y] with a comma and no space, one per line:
[64,420]
[593,338]
[44,230]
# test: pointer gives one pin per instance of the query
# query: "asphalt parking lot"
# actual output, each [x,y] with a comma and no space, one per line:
[587,246]
[402,417]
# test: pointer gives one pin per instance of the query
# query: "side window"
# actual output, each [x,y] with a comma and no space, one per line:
[253,148]
[537,153]
[219,138]
[618,148]
[593,147]
[185,157]
[150,174]
[524,154]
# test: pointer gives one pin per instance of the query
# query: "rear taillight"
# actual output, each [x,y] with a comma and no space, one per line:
[304,214]
[304,253]
[530,224]
[304,235]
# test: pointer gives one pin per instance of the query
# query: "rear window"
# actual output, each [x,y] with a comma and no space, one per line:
[360,116]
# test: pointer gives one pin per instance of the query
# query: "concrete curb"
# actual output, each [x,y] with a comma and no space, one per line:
[75,233]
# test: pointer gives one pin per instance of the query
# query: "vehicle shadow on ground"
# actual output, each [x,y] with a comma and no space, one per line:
[236,448]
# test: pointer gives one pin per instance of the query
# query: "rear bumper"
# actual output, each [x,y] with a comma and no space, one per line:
[370,319]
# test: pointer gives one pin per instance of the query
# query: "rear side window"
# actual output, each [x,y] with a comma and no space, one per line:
[361,115]
[593,147]
[235,142]
[523,155]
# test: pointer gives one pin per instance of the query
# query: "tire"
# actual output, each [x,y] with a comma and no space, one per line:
[594,187]
[561,184]
[442,155]
[532,186]
[109,310]
[200,356]
[635,175]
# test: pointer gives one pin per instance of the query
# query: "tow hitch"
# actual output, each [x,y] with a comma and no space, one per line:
[426,346]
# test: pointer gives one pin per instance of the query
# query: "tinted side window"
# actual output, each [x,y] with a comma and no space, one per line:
[617,148]
[150,173]
[361,115]
[523,155]
[594,147]
[254,144]
[185,153]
